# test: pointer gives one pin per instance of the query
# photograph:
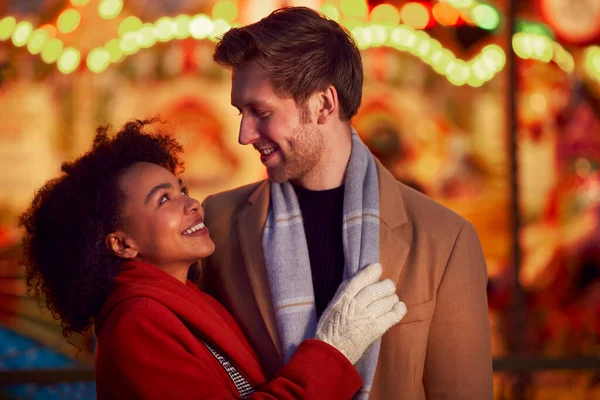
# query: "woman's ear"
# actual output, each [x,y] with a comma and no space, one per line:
[122,245]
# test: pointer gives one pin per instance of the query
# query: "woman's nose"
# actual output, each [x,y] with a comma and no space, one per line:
[193,206]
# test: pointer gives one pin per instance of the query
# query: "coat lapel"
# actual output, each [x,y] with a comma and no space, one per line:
[250,230]
[394,232]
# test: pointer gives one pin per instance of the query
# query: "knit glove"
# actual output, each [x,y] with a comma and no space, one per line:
[361,311]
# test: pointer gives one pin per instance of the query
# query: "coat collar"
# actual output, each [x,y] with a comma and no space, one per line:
[393,246]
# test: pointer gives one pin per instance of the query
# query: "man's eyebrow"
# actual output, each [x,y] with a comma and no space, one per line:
[156,188]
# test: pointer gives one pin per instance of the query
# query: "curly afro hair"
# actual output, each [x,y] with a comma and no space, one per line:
[68,265]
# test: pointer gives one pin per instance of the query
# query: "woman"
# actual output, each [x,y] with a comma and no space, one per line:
[110,242]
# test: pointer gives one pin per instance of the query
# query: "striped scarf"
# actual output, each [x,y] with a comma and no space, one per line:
[288,264]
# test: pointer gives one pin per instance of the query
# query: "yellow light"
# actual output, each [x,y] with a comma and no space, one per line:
[226,10]
[164,29]
[351,23]
[458,72]
[52,50]
[461,3]
[423,49]
[542,47]
[98,60]
[50,30]
[538,103]
[109,9]
[146,36]
[201,26]
[385,14]
[441,60]
[330,11]
[68,20]
[415,15]
[36,41]
[494,57]
[220,27]
[182,26]
[522,45]
[378,34]
[475,82]
[445,14]
[7,26]
[354,8]
[402,36]
[480,71]
[114,51]
[21,33]
[361,36]
[129,24]
[130,43]
[69,60]
[79,3]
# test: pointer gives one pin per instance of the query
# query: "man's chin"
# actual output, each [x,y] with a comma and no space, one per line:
[277,175]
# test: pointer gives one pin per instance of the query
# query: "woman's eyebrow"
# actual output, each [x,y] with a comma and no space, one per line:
[155,189]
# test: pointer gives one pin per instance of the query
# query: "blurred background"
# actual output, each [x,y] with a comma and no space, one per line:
[492,108]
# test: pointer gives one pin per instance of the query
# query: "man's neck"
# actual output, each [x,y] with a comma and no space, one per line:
[330,171]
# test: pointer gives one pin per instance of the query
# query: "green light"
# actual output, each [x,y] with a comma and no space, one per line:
[535,27]
[109,9]
[129,43]
[330,11]
[7,26]
[68,20]
[485,16]
[201,26]
[354,8]
[69,60]
[52,50]
[114,51]
[21,33]
[225,10]
[164,29]
[458,72]
[37,40]
[146,36]
[220,27]
[182,26]
[129,24]
[98,60]
[461,3]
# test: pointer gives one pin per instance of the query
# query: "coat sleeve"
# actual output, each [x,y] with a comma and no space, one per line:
[458,364]
[148,358]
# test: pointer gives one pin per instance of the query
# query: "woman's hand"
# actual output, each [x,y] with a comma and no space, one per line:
[361,311]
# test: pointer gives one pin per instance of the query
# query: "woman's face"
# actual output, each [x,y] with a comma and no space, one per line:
[163,225]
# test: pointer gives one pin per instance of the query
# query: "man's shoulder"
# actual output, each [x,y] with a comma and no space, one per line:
[232,199]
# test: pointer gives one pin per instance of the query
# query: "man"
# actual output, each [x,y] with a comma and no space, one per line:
[327,210]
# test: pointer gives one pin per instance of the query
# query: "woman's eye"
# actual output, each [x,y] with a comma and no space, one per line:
[163,199]
[185,191]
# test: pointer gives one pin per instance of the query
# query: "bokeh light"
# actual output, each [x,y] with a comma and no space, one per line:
[201,26]
[330,11]
[69,60]
[385,14]
[98,60]
[68,20]
[7,26]
[109,9]
[21,33]
[445,14]
[354,8]
[52,49]
[226,10]
[37,40]
[415,15]
[129,24]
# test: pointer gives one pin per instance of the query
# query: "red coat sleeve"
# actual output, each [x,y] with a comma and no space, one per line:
[145,352]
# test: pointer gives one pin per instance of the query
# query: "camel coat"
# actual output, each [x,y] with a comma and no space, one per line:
[440,350]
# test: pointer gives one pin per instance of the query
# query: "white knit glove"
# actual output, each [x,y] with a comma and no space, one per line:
[361,311]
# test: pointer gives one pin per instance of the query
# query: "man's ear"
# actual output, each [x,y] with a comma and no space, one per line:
[122,245]
[328,104]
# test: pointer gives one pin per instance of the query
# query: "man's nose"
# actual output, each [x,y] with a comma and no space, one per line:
[248,133]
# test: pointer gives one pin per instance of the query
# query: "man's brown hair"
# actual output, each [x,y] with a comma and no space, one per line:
[302,52]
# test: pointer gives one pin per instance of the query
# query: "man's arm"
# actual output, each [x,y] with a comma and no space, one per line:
[458,364]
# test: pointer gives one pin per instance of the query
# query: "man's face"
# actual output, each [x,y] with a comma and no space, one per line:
[289,142]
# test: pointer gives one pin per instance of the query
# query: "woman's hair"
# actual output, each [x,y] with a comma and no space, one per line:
[68,264]
[302,52]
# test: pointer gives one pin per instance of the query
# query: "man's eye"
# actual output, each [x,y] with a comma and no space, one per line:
[263,115]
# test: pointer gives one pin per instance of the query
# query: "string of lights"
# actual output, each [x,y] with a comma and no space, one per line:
[403,29]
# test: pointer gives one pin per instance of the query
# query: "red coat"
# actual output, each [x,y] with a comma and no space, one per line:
[148,348]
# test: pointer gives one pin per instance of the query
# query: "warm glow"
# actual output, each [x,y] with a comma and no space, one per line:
[68,20]
[79,2]
[385,14]
[445,14]
[415,15]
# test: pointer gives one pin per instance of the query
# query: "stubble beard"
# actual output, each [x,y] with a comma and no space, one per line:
[303,152]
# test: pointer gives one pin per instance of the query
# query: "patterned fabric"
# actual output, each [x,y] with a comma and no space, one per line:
[287,259]
[243,387]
